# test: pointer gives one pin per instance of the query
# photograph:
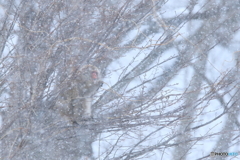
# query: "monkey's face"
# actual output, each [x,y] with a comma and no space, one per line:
[94,75]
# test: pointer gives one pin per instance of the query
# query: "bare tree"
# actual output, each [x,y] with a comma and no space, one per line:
[169,71]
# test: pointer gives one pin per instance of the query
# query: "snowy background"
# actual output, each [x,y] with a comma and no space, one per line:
[170,71]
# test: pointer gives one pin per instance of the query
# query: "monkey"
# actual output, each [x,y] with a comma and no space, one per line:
[76,99]
[89,81]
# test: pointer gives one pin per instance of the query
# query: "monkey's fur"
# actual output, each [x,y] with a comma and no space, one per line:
[75,101]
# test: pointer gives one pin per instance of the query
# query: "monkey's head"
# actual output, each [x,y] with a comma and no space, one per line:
[90,73]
